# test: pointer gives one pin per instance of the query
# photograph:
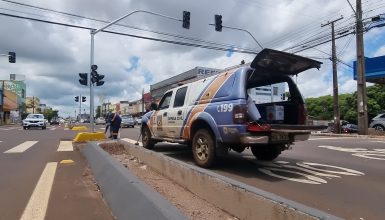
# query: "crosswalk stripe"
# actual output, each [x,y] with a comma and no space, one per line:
[65,146]
[21,147]
[37,205]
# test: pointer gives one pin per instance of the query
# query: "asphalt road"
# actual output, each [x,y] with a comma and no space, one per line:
[38,179]
[343,176]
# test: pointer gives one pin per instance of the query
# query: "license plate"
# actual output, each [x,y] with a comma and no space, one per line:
[279,137]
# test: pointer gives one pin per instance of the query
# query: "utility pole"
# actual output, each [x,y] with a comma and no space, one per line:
[336,108]
[142,113]
[80,107]
[362,110]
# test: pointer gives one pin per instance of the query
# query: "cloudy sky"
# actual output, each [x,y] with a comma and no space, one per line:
[51,56]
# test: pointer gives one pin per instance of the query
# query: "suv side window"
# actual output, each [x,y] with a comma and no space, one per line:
[165,102]
[180,96]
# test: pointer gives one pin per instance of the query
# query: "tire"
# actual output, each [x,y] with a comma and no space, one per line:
[379,128]
[266,153]
[147,142]
[24,127]
[43,128]
[203,147]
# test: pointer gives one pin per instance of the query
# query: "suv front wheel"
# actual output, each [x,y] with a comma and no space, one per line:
[147,142]
[203,147]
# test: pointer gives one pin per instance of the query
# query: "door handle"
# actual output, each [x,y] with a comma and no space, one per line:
[179,112]
[165,114]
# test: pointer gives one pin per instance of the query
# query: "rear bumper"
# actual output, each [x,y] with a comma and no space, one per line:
[275,137]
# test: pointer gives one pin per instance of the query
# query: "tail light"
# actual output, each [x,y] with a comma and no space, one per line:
[255,127]
[240,114]
[302,114]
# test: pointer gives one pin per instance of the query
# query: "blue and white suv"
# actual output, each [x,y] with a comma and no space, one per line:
[227,112]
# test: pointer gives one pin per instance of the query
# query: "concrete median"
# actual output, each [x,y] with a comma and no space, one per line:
[126,195]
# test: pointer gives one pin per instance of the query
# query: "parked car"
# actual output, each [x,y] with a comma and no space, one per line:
[100,121]
[127,121]
[378,122]
[349,128]
[35,120]
[138,120]
[54,121]
[215,114]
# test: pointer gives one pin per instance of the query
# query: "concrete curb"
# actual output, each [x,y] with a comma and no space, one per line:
[126,195]
[239,199]
[350,135]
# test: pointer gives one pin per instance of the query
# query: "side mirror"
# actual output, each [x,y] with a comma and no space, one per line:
[153,106]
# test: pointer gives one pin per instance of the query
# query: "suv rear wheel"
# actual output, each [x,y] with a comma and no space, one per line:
[147,142]
[267,153]
[203,147]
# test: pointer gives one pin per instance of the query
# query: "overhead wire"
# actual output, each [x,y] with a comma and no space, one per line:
[128,26]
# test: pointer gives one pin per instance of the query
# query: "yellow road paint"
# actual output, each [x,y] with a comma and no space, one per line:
[89,136]
[67,162]
[38,203]
[79,128]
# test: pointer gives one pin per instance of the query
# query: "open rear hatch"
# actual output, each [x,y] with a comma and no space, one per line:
[270,66]
[273,62]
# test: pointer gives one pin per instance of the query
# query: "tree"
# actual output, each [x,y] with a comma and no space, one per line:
[322,107]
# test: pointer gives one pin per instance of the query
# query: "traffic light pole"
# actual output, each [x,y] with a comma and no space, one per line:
[93,32]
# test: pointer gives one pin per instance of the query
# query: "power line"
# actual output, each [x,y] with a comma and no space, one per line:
[121,25]
[238,50]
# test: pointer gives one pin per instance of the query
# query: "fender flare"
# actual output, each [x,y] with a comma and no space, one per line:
[208,119]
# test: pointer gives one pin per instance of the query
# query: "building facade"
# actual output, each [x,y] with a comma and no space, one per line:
[158,89]
[12,100]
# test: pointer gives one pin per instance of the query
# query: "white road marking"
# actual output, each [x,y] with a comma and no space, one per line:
[331,138]
[38,203]
[65,146]
[131,141]
[375,154]
[5,129]
[311,172]
[21,147]
[52,129]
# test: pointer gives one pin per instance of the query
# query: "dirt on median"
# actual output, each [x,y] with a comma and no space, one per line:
[188,203]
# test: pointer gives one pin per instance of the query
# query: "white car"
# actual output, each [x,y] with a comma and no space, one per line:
[35,120]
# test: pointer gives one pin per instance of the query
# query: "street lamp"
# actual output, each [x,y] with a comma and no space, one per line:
[93,33]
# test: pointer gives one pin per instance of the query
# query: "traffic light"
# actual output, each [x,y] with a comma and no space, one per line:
[95,77]
[83,99]
[76,98]
[12,57]
[186,20]
[83,78]
[218,22]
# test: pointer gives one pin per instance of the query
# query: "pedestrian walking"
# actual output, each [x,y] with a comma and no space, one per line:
[115,125]
[108,124]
